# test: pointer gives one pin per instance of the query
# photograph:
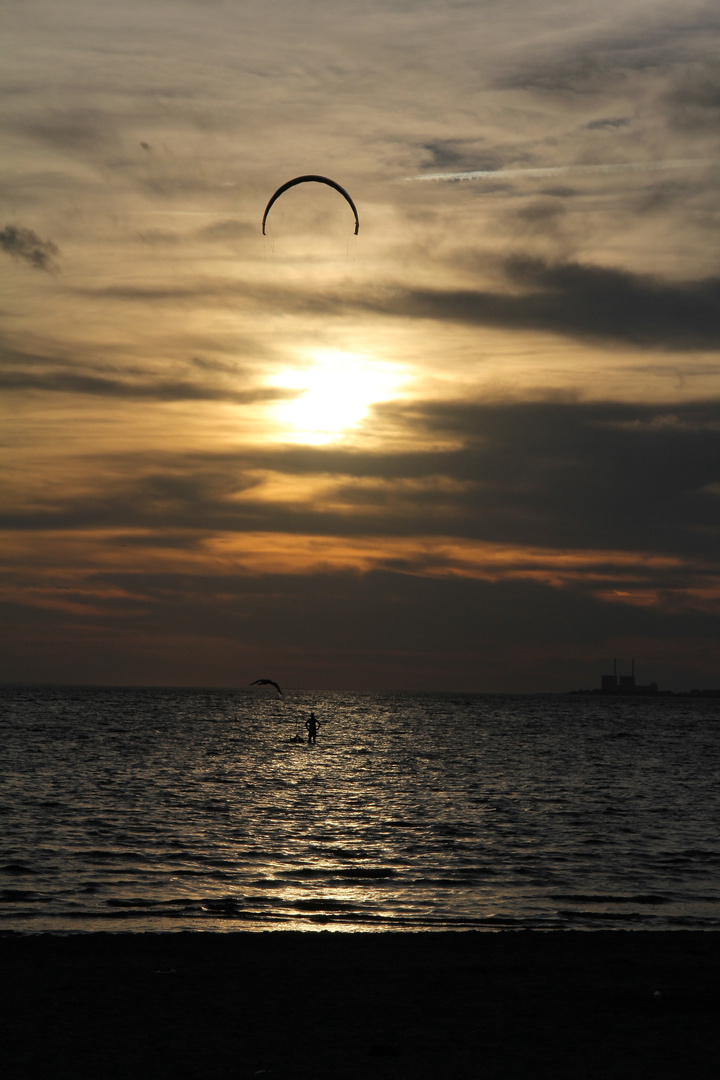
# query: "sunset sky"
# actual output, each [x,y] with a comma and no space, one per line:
[474,447]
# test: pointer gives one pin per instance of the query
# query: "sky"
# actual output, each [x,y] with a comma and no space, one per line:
[475,447]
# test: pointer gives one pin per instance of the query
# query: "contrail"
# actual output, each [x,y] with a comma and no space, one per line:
[562,170]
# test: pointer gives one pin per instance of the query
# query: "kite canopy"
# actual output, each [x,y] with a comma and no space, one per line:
[316,180]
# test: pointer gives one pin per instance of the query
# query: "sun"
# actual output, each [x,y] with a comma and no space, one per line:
[338,389]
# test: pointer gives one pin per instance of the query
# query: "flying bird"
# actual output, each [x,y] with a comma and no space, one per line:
[267,682]
[316,180]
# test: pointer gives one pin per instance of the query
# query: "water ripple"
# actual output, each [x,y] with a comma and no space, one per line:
[197,809]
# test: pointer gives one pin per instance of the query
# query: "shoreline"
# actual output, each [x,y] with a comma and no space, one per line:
[500,1005]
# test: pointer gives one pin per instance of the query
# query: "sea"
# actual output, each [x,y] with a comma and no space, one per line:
[139,810]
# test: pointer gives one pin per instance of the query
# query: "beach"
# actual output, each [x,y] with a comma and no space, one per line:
[387,1005]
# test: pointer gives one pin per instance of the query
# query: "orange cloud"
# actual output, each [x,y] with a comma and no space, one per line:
[68,570]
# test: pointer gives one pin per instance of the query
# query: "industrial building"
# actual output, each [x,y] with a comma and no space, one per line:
[625,684]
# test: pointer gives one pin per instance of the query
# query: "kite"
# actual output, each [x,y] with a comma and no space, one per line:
[317,180]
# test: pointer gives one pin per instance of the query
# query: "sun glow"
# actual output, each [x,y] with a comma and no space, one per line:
[338,390]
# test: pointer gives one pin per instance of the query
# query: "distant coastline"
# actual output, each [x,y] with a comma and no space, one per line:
[643,691]
[626,686]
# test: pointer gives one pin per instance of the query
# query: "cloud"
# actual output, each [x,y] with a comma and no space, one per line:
[615,53]
[561,476]
[165,613]
[559,192]
[541,215]
[585,474]
[155,237]
[460,153]
[66,382]
[572,299]
[76,129]
[227,230]
[579,301]
[633,577]
[613,122]
[171,290]
[23,243]
[479,536]
[694,99]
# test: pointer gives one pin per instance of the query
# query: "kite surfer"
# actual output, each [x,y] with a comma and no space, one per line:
[312,725]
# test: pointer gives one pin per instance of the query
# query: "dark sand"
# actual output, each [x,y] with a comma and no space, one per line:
[280,1005]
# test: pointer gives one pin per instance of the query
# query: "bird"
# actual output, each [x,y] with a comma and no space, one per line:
[267,682]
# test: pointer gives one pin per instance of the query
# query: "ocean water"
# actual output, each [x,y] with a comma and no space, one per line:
[152,809]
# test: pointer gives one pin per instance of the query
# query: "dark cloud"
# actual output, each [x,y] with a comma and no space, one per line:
[582,72]
[694,99]
[559,192]
[540,217]
[568,298]
[379,629]
[223,366]
[459,155]
[599,476]
[215,290]
[609,122]
[539,210]
[584,475]
[23,243]
[581,301]
[67,382]
[613,57]
[660,197]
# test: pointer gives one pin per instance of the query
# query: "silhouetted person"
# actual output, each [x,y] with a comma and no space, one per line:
[312,726]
